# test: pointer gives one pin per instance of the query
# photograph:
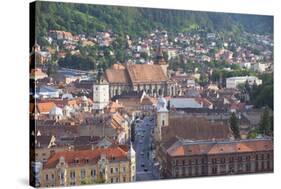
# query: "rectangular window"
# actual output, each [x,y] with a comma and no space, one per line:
[124,179]
[116,170]
[72,174]
[189,170]
[111,180]
[257,166]
[214,170]
[124,169]
[111,170]
[93,172]
[83,173]
[240,167]
[47,177]
[248,167]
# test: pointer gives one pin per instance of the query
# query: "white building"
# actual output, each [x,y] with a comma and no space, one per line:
[56,113]
[132,157]
[259,67]
[246,65]
[233,82]
[162,117]
[100,93]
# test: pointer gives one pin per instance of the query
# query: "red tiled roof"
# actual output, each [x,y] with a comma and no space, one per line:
[45,107]
[117,76]
[220,147]
[91,155]
[146,73]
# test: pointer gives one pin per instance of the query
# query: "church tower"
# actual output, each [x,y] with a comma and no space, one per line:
[162,117]
[161,61]
[100,93]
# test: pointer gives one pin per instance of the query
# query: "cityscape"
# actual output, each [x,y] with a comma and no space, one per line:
[125,94]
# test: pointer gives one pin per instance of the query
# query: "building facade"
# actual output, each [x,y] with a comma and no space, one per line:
[233,82]
[101,165]
[151,78]
[208,158]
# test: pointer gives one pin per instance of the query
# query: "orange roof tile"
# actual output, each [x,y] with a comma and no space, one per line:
[91,155]
[146,73]
[180,148]
[45,107]
[117,76]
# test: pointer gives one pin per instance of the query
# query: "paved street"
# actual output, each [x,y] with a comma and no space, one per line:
[143,146]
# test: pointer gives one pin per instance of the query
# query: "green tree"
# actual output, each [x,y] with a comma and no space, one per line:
[234,125]
[265,123]
[52,69]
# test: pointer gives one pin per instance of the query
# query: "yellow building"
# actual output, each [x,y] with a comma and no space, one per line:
[101,165]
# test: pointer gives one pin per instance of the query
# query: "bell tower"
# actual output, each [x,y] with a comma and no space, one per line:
[161,61]
[100,92]
[162,117]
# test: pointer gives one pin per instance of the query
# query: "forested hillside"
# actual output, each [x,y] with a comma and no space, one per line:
[87,19]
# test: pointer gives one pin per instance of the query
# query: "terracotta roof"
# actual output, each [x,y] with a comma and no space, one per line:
[38,73]
[113,107]
[183,148]
[146,73]
[45,107]
[194,129]
[117,76]
[112,153]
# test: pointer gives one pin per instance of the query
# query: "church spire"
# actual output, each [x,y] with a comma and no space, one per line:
[159,56]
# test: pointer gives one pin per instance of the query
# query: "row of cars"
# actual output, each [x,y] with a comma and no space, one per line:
[143,133]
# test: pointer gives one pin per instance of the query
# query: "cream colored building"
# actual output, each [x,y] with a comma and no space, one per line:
[101,165]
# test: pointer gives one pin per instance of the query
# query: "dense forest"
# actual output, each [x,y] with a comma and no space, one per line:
[88,19]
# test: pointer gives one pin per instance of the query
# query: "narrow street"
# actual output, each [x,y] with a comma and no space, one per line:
[143,143]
